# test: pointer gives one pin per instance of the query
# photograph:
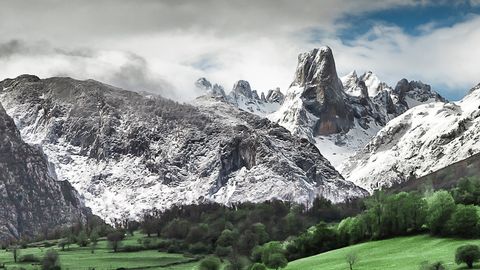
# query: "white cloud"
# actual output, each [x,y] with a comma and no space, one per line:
[144,46]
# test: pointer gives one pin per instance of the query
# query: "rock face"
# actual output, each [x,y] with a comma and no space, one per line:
[316,100]
[424,139]
[31,199]
[126,152]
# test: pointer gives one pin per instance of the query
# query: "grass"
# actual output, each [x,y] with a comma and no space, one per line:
[81,258]
[397,253]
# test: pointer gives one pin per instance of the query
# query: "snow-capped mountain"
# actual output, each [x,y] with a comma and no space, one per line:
[32,200]
[424,139]
[341,115]
[125,152]
[243,97]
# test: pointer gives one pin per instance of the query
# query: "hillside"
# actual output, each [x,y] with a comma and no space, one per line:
[398,253]
[444,178]
[423,140]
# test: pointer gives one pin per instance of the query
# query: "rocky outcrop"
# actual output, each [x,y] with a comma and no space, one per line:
[214,90]
[31,198]
[126,152]
[322,93]
[275,96]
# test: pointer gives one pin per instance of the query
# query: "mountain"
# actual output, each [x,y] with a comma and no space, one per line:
[424,139]
[340,116]
[31,200]
[126,152]
[243,97]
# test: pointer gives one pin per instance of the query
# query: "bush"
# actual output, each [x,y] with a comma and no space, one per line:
[199,248]
[433,266]
[210,263]
[467,254]
[132,248]
[51,261]
[48,244]
[29,258]
[223,251]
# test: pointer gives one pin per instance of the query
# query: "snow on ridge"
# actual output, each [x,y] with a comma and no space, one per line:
[424,139]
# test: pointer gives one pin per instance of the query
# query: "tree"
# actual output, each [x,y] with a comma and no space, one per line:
[351,259]
[94,240]
[227,238]
[82,239]
[440,207]
[464,221]
[115,239]
[467,254]
[273,255]
[15,252]
[236,262]
[51,261]
[277,260]
[210,263]
[62,243]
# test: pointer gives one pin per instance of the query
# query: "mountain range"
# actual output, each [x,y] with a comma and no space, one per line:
[119,152]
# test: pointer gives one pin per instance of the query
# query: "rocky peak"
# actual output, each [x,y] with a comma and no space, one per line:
[203,83]
[262,97]
[373,84]
[275,96]
[316,67]
[242,88]
[363,89]
[255,95]
[323,94]
[349,81]
[213,90]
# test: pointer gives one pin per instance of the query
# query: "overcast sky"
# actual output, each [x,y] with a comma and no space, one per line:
[164,46]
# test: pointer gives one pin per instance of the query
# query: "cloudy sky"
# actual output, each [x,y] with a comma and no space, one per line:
[164,46]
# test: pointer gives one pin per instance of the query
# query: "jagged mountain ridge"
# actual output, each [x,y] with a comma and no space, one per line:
[126,152]
[243,97]
[31,199]
[424,139]
[341,115]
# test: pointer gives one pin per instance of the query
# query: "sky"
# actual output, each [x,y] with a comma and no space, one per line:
[163,46]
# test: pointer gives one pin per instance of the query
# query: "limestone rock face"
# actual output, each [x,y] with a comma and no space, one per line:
[31,198]
[323,95]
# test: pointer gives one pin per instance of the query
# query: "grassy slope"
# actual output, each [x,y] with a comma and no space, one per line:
[398,253]
[78,258]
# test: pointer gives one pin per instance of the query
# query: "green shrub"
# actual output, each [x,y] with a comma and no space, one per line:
[210,263]
[132,248]
[29,258]
[199,248]
[432,266]
[467,254]
[51,261]
[223,251]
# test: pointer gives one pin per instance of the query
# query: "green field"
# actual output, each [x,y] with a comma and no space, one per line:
[398,253]
[78,258]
